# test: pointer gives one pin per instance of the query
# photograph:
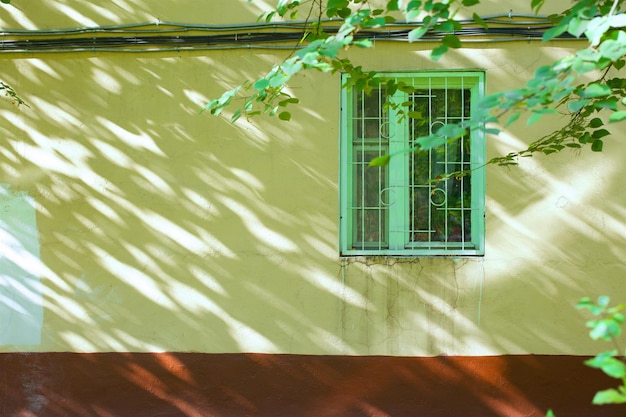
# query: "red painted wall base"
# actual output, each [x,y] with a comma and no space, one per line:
[256,385]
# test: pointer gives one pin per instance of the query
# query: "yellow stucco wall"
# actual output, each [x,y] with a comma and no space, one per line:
[164,230]
[75,13]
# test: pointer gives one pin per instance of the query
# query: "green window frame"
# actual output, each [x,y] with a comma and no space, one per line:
[396,210]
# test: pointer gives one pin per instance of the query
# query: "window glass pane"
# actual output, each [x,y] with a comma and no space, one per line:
[439,210]
[370,119]
[369,208]
[458,103]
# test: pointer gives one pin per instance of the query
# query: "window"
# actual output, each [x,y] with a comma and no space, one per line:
[397,209]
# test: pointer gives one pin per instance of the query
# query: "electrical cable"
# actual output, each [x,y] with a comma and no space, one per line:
[172,36]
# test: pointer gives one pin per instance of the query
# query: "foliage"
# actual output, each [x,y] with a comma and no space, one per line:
[11,94]
[552,89]
[607,326]
[590,106]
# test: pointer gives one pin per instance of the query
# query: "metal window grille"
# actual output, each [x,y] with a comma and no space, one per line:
[398,209]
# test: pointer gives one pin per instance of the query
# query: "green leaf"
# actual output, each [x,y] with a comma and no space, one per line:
[600,358]
[553,32]
[583,66]
[337,4]
[417,33]
[576,106]
[393,5]
[363,43]
[604,300]
[451,41]
[413,10]
[596,146]
[611,366]
[469,3]
[380,161]
[261,84]
[374,23]
[451,131]
[600,329]
[513,118]
[479,21]
[596,29]
[609,396]
[596,90]
[277,79]
[268,18]
[600,133]
[536,5]
[614,49]
[291,66]
[577,26]
[544,72]
[210,105]
[430,142]
[538,114]
[414,4]
[415,115]
[584,138]
[284,115]
[447,26]
[609,103]
[617,20]
[344,12]
[596,122]
[438,52]
[584,302]
[617,116]
[290,100]
[492,100]
[236,115]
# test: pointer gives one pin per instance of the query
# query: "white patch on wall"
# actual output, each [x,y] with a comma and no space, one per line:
[21,300]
